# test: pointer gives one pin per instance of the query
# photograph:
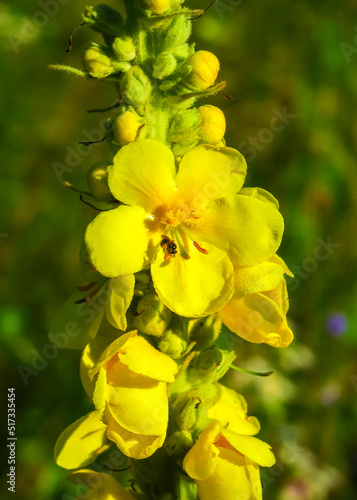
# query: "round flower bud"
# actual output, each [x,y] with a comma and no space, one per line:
[152,316]
[126,127]
[97,180]
[124,48]
[213,124]
[156,6]
[204,69]
[189,410]
[164,65]
[137,87]
[97,63]
[178,443]
[205,331]
[172,344]
[185,126]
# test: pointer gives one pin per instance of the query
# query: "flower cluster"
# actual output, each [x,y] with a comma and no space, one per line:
[179,248]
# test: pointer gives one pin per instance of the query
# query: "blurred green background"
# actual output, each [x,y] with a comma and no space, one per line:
[296,61]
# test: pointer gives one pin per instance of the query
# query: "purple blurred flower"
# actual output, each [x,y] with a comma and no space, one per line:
[336,324]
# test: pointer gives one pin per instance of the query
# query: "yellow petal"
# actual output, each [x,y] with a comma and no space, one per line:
[195,287]
[260,278]
[142,358]
[248,229]
[137,403]
[81,442]
[202,459]
[100,393]
[89,358]
[101,486]
[121,292]
[143,175]
[231,411]
[207,173]
[110,351]
[257,318]
[260,194]
[133,445]
[256,450]
[117,241]
[231,480]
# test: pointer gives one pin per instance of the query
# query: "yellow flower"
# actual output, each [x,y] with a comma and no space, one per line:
[257,310]
[131,394]
[192,227]
[231,411]
[225,464]
[101,486]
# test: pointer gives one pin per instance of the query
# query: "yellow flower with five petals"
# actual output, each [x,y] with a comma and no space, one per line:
[192,227]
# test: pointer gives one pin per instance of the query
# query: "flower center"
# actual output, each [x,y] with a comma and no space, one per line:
[179,216]
[174,222]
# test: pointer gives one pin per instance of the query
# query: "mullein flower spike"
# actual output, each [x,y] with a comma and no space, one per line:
[175,247]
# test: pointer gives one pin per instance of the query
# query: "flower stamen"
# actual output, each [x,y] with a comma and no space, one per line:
[200,249]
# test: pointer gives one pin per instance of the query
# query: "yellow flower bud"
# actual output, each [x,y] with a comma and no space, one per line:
[157,6]
[96,63]
[126,127]
[205,67]
[213,124]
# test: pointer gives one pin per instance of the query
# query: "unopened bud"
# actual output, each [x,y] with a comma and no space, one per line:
[172,344]
[164,65]
[97,180]
[204,69]
[126,127]
[213,124]
[185,126]
[97,63]
[137,87]
[189,411]
[104,19]
[124,48]
[211,364]
[152,316]
[205,331]
[179,443]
